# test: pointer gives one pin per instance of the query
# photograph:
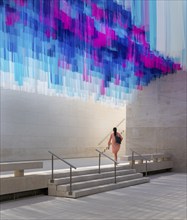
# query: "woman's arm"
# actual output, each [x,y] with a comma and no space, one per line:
[109,142]
[121,137]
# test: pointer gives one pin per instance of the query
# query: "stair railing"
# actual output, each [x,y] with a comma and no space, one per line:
[52,169]
[115,163]
[133,161]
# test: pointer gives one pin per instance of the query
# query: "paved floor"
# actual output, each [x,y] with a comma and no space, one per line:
[164,197]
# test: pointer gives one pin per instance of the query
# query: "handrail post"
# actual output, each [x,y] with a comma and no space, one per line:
[115,163]
[132,162]
[70,165]
[70,182]
[146,168]
[99,163]
[52,167]
[114,172]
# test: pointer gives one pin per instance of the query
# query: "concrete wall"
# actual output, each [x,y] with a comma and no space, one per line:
[157,119]
[32,124]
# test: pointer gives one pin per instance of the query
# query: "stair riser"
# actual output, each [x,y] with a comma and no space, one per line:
[98,182]
[52,190]
[98,190]
[103,189]
[92,177]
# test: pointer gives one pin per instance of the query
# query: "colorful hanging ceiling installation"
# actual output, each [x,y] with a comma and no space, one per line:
[80,48]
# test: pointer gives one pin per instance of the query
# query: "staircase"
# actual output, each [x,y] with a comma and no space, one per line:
[88,181]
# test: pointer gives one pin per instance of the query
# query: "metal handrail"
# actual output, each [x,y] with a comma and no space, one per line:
[109,133]
[115,163]
[132,160]
[52,169]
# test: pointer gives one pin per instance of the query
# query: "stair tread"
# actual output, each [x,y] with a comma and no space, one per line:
[94,174]
[94,169]
[103,179]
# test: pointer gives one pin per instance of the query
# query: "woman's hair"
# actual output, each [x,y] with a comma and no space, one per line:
[115,131]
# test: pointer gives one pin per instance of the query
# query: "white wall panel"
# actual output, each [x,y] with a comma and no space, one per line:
[32,124]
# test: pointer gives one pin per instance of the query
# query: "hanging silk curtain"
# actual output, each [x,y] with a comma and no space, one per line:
[171,29]
[165,26]
[100,49]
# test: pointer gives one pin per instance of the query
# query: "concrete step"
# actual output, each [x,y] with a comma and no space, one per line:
[91,176]
[102,188]
[87,181]
[89,170]
[98,182]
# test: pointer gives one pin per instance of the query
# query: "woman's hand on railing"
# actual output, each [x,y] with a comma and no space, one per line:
[107,148]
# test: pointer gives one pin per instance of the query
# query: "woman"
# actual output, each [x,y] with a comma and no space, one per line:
[115,146]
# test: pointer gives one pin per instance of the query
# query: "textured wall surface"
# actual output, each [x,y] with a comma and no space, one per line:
[157,119]
[32,124]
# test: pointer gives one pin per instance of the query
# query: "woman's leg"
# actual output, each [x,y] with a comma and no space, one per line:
[115,150]
[115,156]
